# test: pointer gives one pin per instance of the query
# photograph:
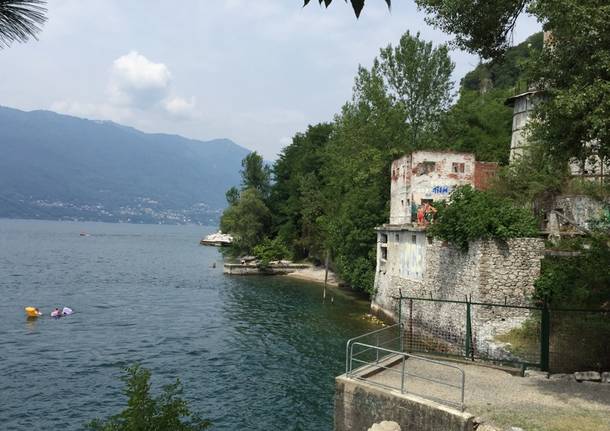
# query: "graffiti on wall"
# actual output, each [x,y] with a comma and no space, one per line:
[441,190]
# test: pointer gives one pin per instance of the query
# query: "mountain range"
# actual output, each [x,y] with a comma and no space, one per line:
[55,166]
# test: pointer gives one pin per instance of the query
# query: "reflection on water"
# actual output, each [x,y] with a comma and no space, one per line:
[253,353]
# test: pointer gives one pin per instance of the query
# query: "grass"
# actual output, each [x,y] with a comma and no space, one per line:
[524,341]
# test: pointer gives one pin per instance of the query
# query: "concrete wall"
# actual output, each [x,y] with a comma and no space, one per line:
[438,184]
[400,198]
[490,271]
[523,106]
[358,405]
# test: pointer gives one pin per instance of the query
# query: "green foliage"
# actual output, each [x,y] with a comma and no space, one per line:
[479,123]
[417,78]
[578,281]
[255,174]
[531,179]
[296,199]
[574,119]
[232,196]
[504,72]
[472,214]
[372,130]
[169,411]
[248,221]
[247,218]
[270,250]
[574,71]
[481,26]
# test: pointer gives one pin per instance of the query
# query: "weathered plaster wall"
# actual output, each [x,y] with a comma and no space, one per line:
[358,405]
[432,175]
[490,271]
[438,184]
[400,199]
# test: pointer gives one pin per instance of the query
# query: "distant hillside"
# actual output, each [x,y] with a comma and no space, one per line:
[61,167]
[480,122]
[506,71]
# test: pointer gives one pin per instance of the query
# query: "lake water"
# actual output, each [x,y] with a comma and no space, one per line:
[253,353]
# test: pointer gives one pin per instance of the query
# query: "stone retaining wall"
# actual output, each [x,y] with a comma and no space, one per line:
[490,271]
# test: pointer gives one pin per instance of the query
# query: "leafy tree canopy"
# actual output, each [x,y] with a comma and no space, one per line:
[417,77]
[574,72]
[20,20]
[482,26]
[255,173]
[169,411]
[248,221]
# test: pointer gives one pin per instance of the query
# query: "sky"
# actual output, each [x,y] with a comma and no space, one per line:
[254,71]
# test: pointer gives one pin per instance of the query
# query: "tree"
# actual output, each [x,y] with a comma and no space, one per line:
[573,69]
[144,413]
[20,20]
[369,133]
[232,196]
[255,174]
[481,26]
[358,5]
[296,199]
[248,221]
[574,72]
[417,76]
[480,124]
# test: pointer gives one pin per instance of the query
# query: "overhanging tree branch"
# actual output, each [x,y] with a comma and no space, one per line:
[20,20]
[358,5]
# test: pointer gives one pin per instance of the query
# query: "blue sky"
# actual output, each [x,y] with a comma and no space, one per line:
[253,71]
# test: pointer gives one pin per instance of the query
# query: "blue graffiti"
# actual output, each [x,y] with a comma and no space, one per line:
[441,190]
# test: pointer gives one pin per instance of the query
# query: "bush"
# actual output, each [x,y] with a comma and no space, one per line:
[472,214]
[144,413]
[269,250]
[578,281]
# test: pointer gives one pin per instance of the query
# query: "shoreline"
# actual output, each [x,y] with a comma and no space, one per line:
[315,275]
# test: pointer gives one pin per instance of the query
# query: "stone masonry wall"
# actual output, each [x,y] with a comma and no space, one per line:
[490,271]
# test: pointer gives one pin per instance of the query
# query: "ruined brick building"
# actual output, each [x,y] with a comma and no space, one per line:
[429,176]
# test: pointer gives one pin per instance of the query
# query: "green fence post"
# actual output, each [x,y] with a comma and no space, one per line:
[399,307]
[468,346]
[400,332]
[545,330]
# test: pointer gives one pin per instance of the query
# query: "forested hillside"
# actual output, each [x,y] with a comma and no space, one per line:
[61,167]
[331,185]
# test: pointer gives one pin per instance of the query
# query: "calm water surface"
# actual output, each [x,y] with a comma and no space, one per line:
[253,353]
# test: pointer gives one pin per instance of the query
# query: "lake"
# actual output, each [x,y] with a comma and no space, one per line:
[253,353]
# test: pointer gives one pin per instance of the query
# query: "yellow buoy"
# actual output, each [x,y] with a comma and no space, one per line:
[32,312]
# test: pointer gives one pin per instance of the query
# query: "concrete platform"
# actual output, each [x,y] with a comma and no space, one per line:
[502,399]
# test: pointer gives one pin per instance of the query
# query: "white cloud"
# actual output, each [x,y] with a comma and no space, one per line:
[180,107]
[137,81]
[138,88]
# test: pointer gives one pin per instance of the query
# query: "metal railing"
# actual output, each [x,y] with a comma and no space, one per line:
[388,368]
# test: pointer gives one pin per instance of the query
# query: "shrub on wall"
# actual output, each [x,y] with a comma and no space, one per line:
[472,214]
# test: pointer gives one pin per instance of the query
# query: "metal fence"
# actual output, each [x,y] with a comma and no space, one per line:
[379,359]
[552,339]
